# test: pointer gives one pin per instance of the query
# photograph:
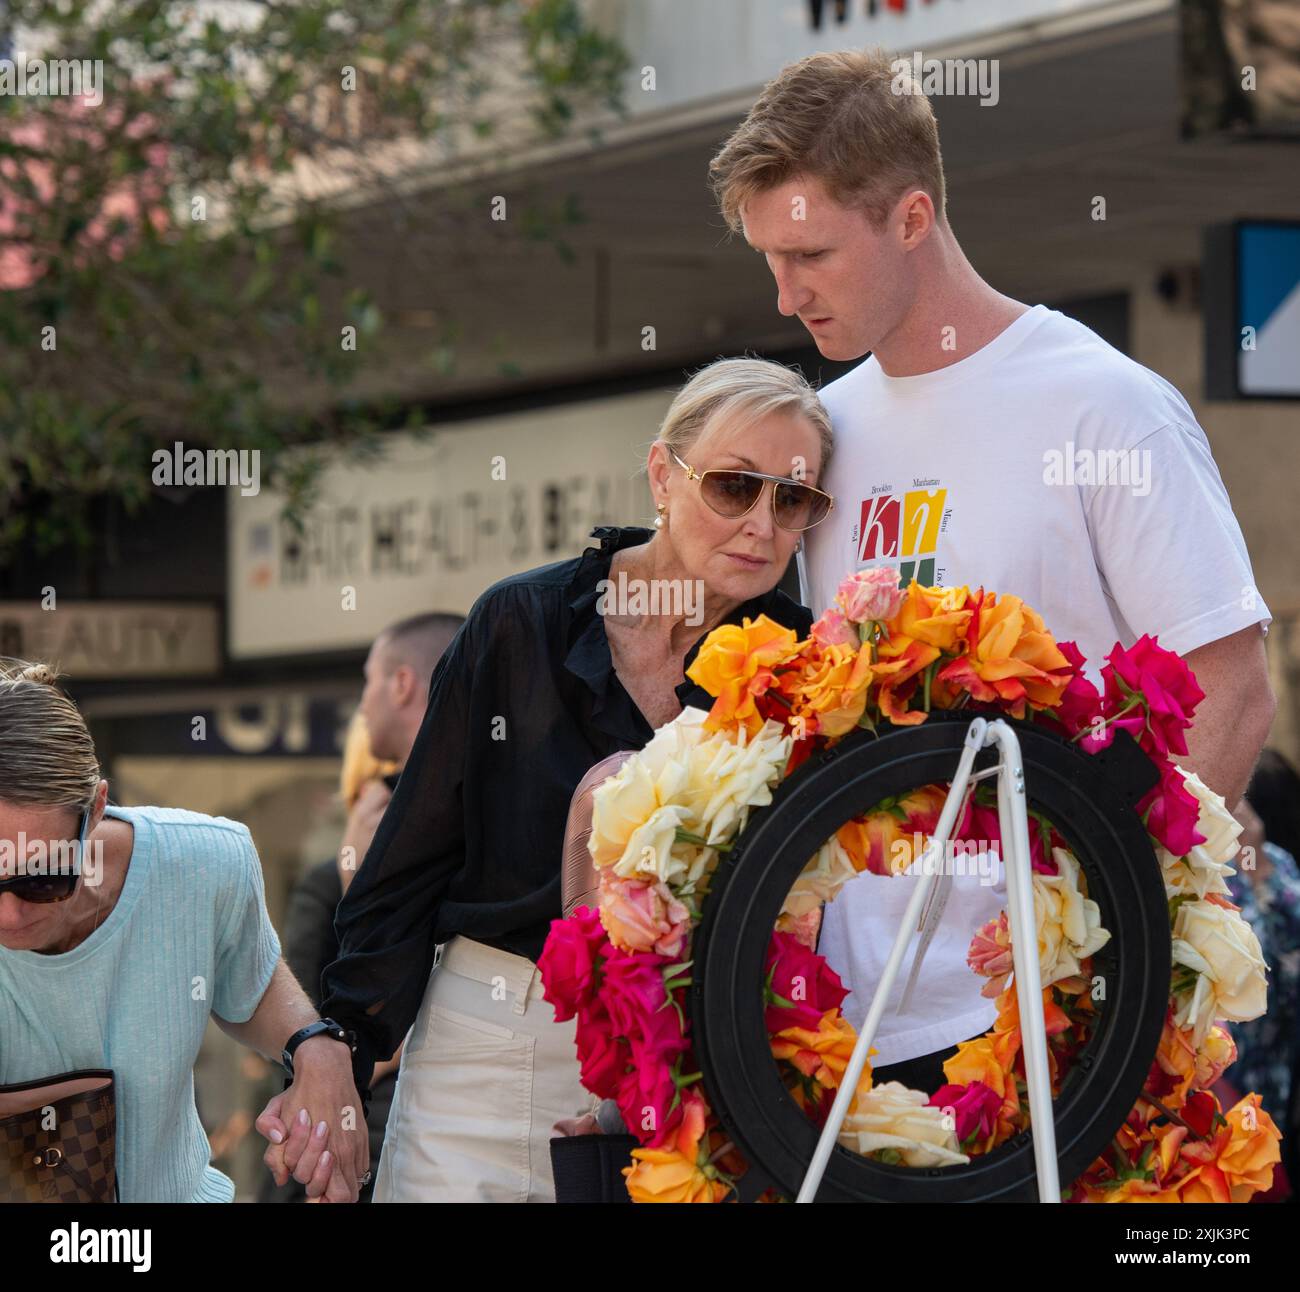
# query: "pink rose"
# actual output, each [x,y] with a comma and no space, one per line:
[1080,701]
[805,928]
[990,954]
[632,992]
[802,977]
[833,629]
[568,961]
[871,595]
[602,1057]
[980,826]
[1168,697]
[1171,811]
[975,1108]
[640,1014]
[647,1093]
[642,916]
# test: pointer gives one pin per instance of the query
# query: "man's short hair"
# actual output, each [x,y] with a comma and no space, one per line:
[852,119]
[420,641]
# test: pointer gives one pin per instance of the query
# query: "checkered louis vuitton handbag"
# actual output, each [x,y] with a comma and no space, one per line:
[57,1139]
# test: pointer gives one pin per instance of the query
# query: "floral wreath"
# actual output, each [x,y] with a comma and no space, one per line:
[883,654]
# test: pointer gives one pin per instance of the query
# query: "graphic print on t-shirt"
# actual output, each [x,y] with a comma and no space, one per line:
[901,528]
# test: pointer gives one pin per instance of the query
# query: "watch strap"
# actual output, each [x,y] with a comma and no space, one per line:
[321,1027]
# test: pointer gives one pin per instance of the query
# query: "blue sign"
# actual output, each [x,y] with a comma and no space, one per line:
[1251,299]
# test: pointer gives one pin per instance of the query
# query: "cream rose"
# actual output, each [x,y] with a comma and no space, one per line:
[668,750]
[684,779]
[1196,875]
[619,807]
[1069,924]
[893,1117]
[654,778]
[652,847]
[1220,828]
[1231,975]
[733,776]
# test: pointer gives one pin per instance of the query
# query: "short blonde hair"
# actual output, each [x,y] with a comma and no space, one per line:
[754,387]
[360,766]
[47,758]
[851,119]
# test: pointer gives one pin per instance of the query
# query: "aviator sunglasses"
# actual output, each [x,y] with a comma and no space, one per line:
[795,506]
[39,889]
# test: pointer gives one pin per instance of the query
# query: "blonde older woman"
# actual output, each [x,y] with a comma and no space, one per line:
[118,960]
[554,670]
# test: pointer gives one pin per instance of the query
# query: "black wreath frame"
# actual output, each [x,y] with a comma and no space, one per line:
[1089,798]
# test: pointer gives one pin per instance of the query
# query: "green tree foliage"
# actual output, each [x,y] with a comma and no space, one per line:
[171,258]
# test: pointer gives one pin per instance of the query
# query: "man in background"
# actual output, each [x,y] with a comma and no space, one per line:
[398,671]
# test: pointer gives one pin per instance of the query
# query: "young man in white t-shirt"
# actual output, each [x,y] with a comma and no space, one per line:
[983,442]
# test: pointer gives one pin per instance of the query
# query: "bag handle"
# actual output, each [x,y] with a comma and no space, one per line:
[28,1096]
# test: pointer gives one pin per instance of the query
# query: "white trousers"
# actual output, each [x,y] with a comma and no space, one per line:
[486,1073]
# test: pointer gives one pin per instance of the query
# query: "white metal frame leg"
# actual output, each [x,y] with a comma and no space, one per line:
[1013,810]
[1013,820]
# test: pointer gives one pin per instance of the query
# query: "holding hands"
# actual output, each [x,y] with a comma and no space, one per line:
[316,1128]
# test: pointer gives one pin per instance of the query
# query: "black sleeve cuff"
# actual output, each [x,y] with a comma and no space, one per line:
[363,1060]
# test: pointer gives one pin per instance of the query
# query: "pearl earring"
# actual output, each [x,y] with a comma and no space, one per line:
[663,513]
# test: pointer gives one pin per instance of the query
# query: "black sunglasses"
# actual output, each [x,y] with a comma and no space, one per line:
[39,889]
[795,506]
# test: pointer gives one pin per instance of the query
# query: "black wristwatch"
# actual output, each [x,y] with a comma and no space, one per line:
[321,1027]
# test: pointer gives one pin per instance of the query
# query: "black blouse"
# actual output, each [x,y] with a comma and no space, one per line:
[522,704]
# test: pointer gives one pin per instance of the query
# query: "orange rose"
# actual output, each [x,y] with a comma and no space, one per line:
[735,664]
[1204,1184]
[1169,1139]
[1008,1019]
[1176,1058]
[937,617]
[1010,657]
[824,1054]
[678,1171]
[1134,1190]
[830,689]
[883,842]
[1251,1153]
[975,1060]
[899,662]
[874,841]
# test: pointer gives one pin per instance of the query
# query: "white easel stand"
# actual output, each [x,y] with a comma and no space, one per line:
[1013,821]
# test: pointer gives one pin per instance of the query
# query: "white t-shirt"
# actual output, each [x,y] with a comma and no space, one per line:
[1046,465]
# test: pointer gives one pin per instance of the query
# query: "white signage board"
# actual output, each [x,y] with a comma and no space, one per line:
[434,522]
[703,51]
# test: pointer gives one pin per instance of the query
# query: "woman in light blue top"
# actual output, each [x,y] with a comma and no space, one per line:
[119,959]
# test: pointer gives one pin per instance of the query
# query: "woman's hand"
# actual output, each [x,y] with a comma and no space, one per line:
[329,1154]
[293,1143]
[584,1125]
